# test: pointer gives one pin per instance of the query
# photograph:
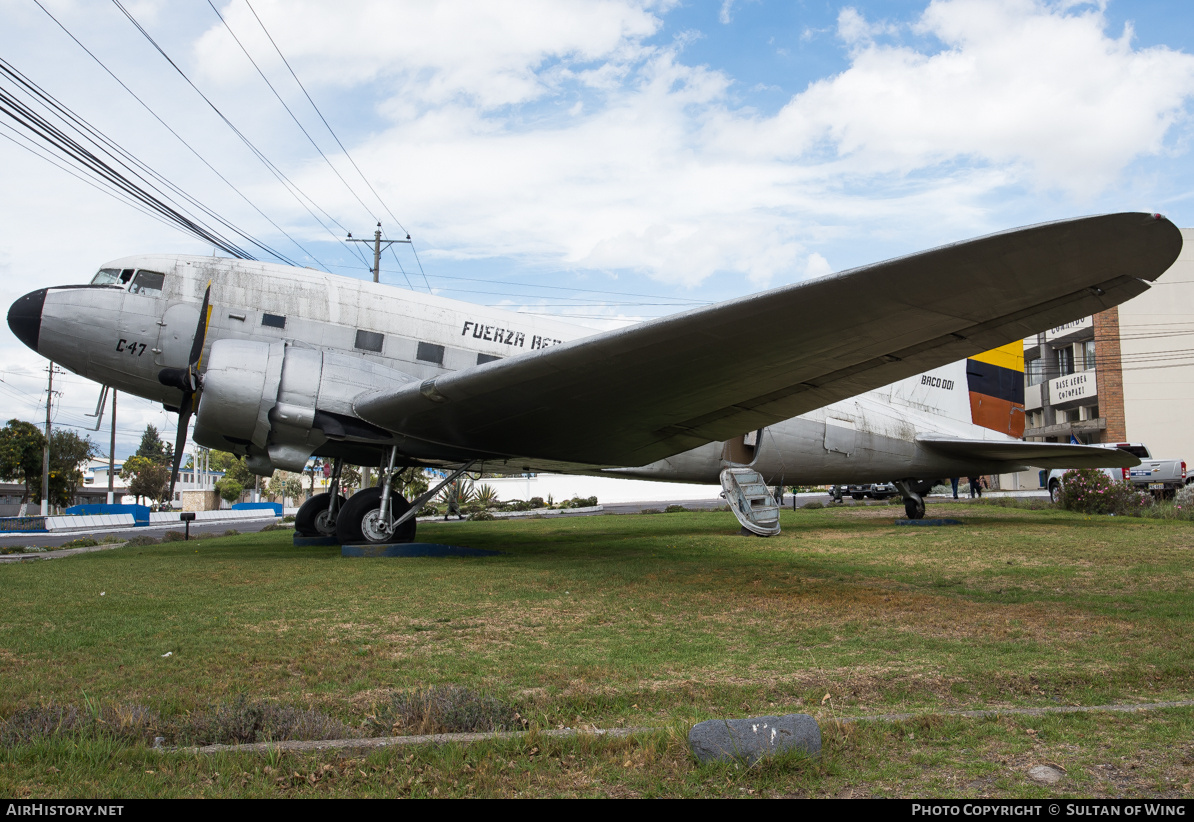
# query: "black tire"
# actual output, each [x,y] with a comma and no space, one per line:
[311,519]
[1055,492]
[914,509]
[358,518]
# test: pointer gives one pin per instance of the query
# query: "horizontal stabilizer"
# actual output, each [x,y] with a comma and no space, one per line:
[1038,454]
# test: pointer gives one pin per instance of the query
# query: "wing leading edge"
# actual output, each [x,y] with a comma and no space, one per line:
[639,394]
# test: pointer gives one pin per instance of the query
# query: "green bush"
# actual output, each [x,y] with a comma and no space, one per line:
[675,509]
[1090,491]
[81,542]
[173,536]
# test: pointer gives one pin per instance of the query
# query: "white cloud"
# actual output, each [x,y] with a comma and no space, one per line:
[490,54]
[662,173]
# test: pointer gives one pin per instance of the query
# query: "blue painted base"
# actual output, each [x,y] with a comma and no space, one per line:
[928,522]
[414,549]
[314,542]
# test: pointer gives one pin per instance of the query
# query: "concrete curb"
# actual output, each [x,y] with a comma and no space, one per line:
[377,743]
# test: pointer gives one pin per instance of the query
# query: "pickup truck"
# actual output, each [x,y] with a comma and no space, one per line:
[1160,476]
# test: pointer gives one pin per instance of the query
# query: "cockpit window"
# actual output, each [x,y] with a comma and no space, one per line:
[112,276]
[147,283]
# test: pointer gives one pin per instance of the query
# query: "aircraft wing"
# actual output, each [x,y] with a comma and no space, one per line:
[639,394]
[1038,454]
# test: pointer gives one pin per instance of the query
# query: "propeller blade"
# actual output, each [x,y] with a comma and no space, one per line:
[180,439]
[201,329]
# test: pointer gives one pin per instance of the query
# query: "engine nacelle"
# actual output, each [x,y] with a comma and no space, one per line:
[261,399]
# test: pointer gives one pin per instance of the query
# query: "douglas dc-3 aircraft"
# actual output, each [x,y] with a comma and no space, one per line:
[911,369]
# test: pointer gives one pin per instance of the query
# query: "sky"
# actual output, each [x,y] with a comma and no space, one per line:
[605,160]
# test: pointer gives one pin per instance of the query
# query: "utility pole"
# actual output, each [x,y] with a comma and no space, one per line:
[45,453]
[112,455]
[377,246]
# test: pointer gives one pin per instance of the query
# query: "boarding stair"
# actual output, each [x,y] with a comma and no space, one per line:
[751,500]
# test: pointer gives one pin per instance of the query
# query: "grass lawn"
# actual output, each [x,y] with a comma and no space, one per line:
[649,620]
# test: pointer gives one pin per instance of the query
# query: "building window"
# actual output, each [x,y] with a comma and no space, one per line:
[429,352]
[1088,355]
[369,340]
[1036,371]
[1065,361]
[484,358]
[273,321]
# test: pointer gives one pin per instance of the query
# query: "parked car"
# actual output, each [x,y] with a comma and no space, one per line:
[1162,477]
[874,490]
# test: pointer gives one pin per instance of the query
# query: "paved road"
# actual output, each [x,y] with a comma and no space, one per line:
[54,539]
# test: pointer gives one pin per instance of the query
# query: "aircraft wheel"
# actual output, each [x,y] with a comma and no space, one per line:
[360,519]
[312,519]
[915,509]
[1055,492]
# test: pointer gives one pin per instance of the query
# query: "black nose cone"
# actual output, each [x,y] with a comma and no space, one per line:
[24,317]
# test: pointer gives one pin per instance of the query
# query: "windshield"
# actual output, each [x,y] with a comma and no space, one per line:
[112,276]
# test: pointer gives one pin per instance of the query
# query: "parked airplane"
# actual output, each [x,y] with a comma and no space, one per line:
[907,370]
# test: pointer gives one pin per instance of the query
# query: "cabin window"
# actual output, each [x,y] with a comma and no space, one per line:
[369,340]
[273,321]
[484,358]
[112,276]
[429,352]
[147,283]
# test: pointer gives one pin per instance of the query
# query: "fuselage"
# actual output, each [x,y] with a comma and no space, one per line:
[140,315]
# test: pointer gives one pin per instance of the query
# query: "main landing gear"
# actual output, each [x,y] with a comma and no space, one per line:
[373,515]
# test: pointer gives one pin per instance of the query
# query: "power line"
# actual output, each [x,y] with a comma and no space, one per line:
[253,240]
[278,174]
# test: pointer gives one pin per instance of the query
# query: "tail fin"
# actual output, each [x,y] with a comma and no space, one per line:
[995,380]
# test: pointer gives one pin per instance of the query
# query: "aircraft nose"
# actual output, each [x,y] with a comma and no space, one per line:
[24,317]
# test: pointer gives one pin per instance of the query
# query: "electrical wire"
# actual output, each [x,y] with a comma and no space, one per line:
[299,195]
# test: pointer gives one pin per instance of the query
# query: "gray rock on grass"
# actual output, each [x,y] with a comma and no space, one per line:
[749,740]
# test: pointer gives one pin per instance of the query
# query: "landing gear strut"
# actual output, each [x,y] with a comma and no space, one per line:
[913,492]
[317,516]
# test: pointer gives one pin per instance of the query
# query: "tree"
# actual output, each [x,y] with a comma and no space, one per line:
[284,484]
[229,490]
[68,454]
[146,478]
[21,446]
[153,449]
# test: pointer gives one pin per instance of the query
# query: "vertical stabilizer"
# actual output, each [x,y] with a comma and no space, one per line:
[995,380]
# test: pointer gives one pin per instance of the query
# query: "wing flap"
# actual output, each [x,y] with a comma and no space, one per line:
[1037,454]
[636,395]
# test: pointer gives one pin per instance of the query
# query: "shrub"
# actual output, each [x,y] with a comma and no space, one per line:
[232,532]
[812,506]
[140,540]
[132,723]
[481,516]
[81,542]
[675,509]
[1090,491]
[442,709]
[536,502]
[173,536]
[243,721]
